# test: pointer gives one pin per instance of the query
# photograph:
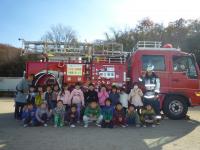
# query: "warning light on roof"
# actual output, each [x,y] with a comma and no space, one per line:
[168,45]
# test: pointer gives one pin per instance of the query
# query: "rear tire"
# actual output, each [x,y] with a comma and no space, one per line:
[175,107]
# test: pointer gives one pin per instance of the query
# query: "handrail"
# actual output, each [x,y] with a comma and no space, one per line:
[147,44]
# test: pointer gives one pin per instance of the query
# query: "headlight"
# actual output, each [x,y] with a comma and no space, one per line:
[197,93]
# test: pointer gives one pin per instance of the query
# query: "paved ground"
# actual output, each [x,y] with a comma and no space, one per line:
[176,135]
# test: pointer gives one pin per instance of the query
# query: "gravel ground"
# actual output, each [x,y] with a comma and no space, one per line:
[171,134]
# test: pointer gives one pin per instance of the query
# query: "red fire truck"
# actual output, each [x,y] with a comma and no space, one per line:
[107,63]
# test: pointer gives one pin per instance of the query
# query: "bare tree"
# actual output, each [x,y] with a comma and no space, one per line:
[60,33]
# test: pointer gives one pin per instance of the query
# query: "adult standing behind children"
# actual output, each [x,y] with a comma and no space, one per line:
[22,94]
[152,88]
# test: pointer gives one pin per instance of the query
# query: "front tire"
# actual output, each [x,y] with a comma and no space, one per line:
[175,107]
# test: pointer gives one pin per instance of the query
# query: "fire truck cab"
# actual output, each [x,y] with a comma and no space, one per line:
[178,72]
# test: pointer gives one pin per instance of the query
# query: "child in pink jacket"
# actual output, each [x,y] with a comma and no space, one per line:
[103,95]
[64,95]
[77,98]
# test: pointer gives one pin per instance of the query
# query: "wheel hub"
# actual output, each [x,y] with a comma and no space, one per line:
[176,107]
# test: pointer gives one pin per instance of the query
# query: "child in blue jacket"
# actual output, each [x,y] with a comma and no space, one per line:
[107,112]
[28,115]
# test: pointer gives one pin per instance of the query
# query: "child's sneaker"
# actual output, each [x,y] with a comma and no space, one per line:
[25,125]
[55,126]
[137,125]
[85,126]
[123,126]
[144,126]
[72,126]
[153,125]
[45,125]
[98,125]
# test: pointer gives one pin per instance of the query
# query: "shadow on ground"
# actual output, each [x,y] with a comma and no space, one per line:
[14,137]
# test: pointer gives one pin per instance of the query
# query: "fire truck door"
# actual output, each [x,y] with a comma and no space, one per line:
[184,75]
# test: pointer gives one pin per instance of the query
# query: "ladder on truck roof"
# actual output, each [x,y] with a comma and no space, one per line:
[42,47]
[109,52]
[101,51]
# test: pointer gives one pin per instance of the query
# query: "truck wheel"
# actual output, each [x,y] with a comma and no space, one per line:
[175,107]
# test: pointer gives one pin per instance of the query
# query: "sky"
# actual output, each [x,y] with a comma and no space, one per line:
[30,19]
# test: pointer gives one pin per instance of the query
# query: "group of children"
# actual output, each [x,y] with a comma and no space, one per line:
[71,107]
